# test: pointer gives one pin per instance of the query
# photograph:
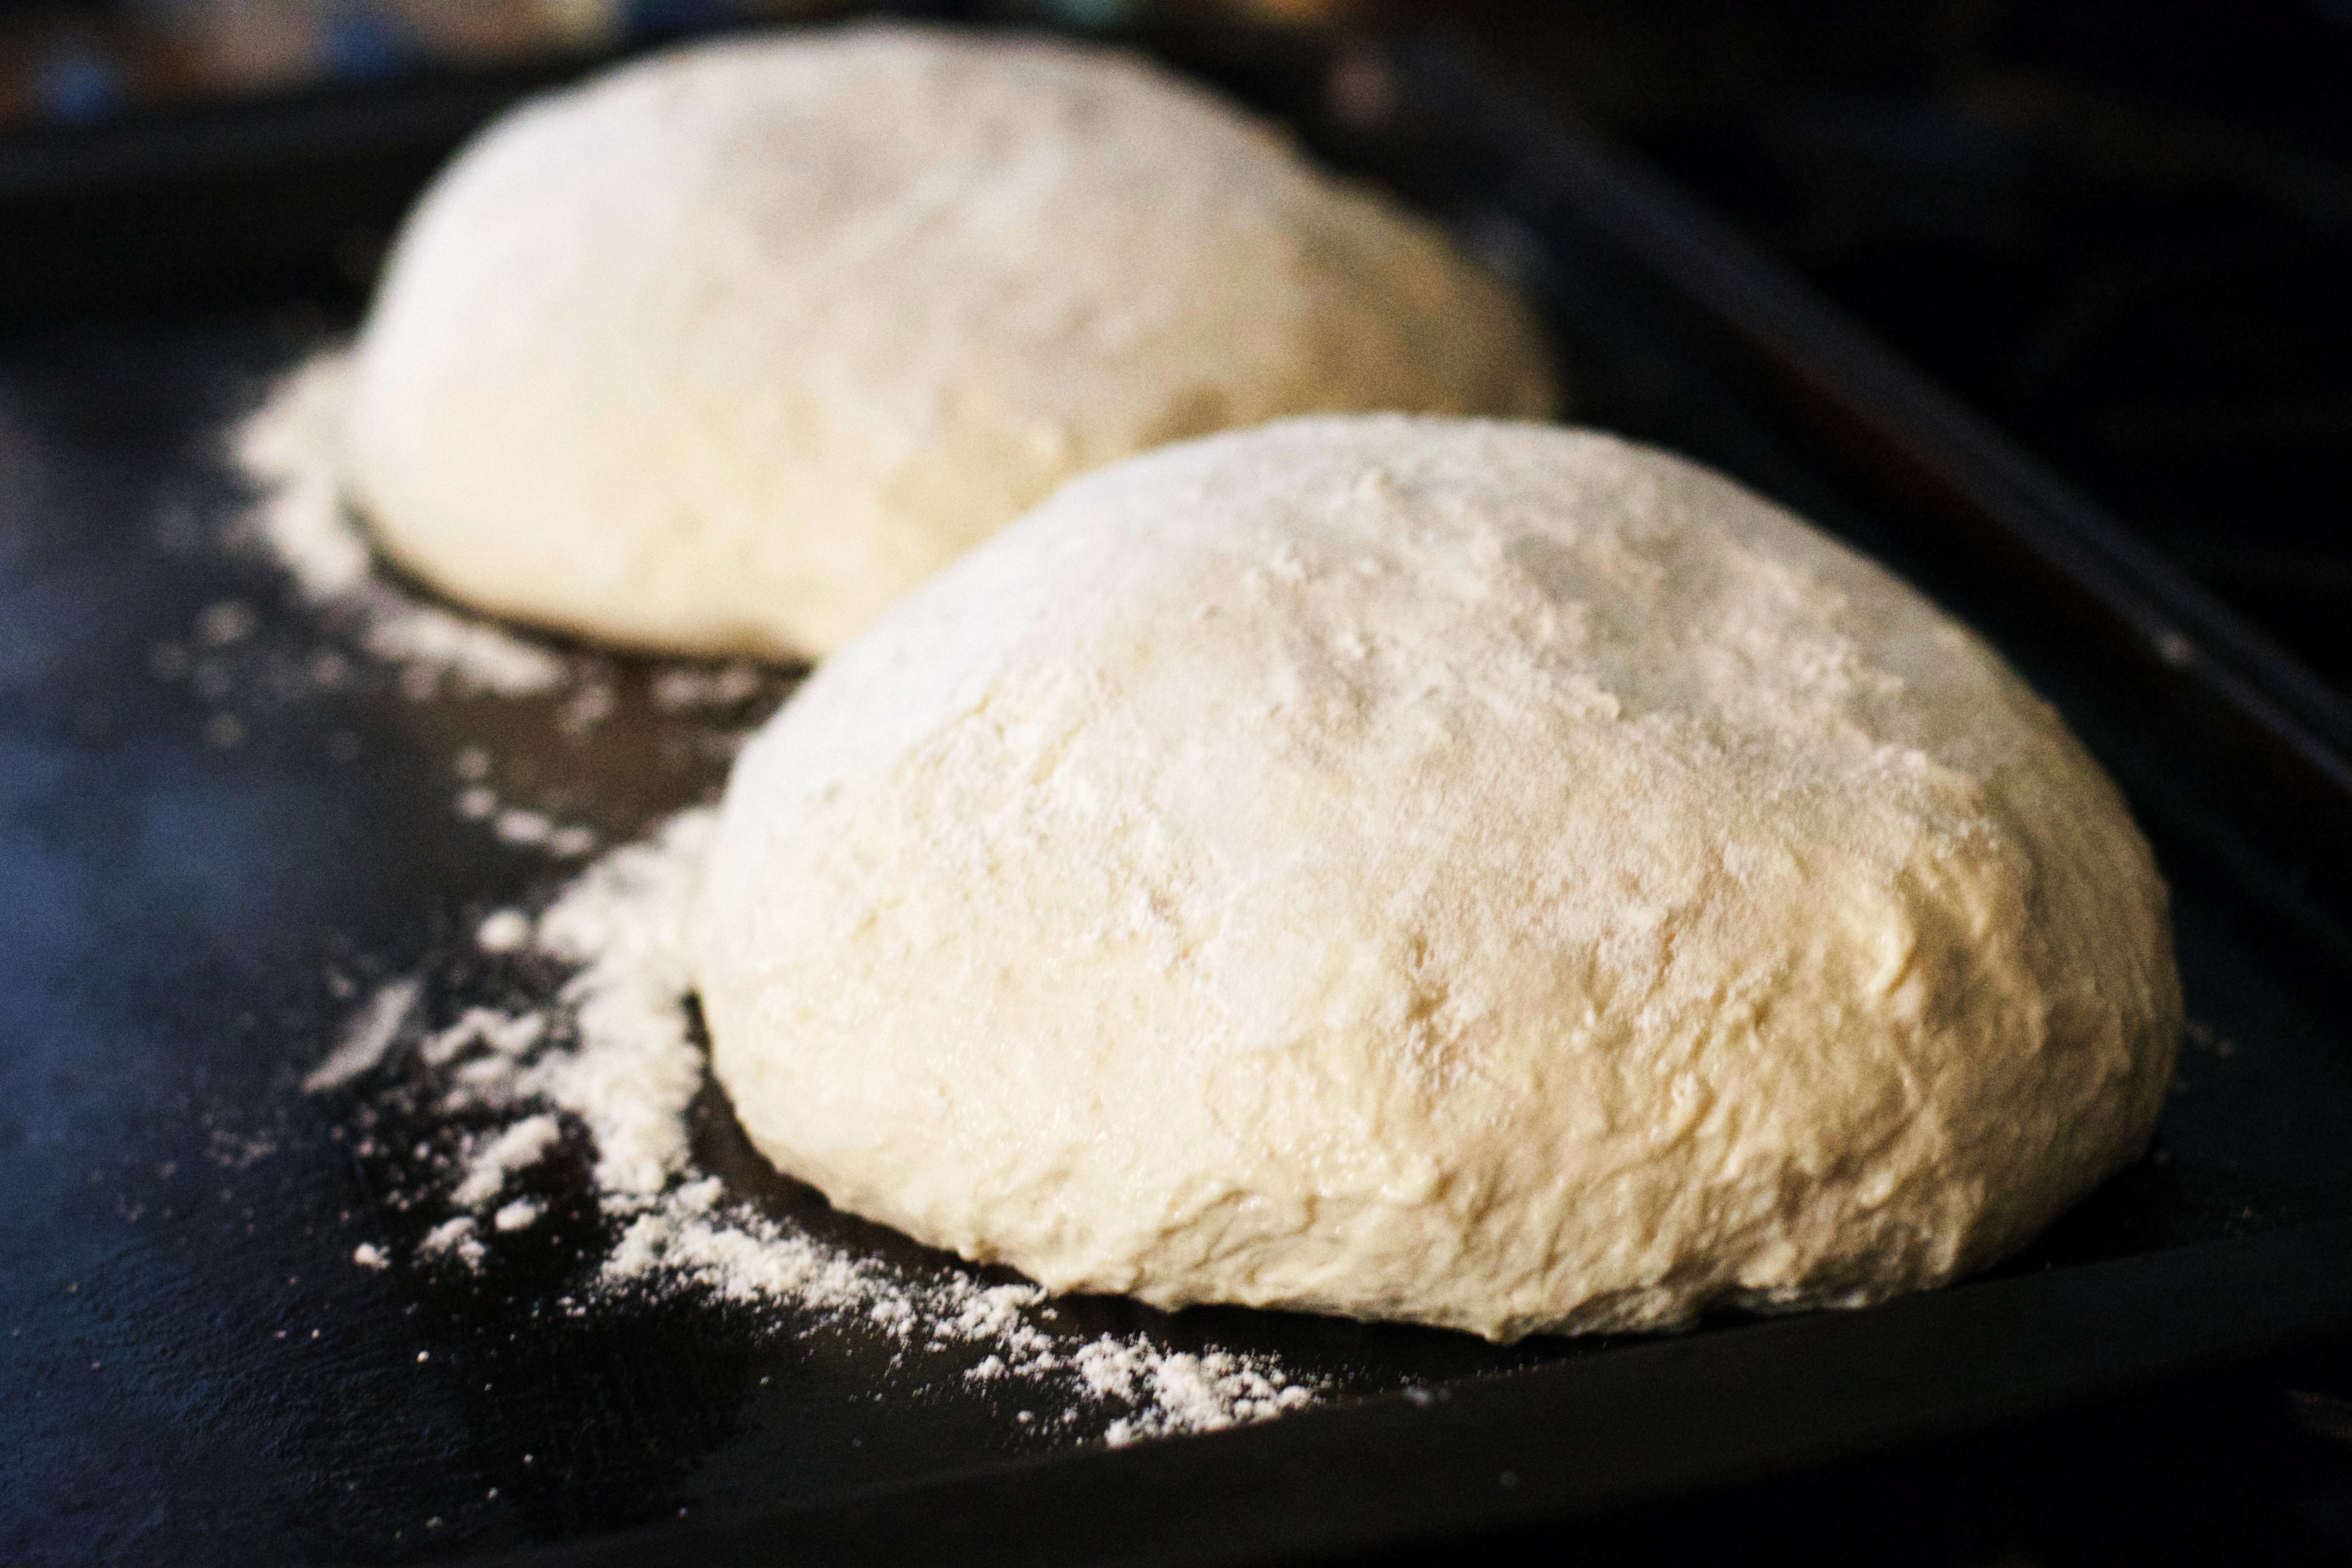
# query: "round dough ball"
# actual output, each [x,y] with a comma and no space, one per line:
[1481,874]
[724,350]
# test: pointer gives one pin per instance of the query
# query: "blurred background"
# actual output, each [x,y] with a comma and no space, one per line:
[2121,228]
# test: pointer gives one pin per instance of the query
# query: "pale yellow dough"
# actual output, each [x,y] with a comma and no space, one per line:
[724,351]
[1476,873]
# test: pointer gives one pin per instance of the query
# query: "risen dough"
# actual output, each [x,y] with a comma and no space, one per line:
[1476,873]
[724,350]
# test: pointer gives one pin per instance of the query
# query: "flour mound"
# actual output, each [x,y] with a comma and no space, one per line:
[1473,873]
[724,350]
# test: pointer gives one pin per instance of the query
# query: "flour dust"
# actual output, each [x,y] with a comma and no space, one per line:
[592,1057]
[611,1052]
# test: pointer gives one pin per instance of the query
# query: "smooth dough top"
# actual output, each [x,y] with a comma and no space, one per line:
[1476,873]
[724,351]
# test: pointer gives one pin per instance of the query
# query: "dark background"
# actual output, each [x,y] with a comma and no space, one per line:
[2122,230]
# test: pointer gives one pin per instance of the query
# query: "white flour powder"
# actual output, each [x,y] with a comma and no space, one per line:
[610,1055]
[611,1052]
[614,1050]
[366,1037]
[287,449]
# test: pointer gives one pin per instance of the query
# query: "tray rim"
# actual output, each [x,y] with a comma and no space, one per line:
[1593,1432]
[1549,1443]
[1383,1469]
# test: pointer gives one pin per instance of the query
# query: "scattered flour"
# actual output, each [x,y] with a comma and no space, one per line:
[2202,1036]
[287,449]
[1186,1393]
[520,1146]
[612,1052]
[505,1033]
[366,1037]
[518,825]
[611,1055]
[517,1215]
[676,690]
[454,1236]
[503,931]
[631,1071]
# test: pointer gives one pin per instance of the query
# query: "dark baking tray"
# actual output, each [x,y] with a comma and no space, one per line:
[169,1203]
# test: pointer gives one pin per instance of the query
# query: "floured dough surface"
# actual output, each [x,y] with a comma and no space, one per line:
[1476,873]
[724,351]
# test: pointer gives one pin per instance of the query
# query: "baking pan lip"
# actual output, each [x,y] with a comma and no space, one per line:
[1637,1421]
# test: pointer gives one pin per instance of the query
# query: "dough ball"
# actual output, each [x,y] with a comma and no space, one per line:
[1476,873]
[723,352]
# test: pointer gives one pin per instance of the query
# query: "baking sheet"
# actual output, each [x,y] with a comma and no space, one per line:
[180,1219]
